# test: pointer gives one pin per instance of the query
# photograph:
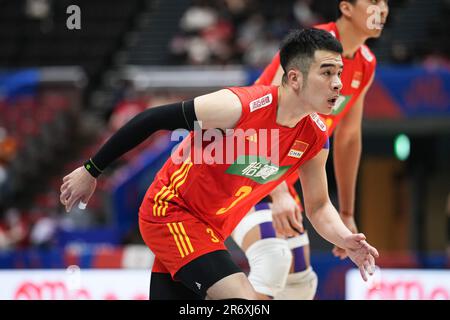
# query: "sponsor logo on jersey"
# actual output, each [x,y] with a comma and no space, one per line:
[297,149]
[357,78]
[261,102]
[366,53]
[256,168]
[340,104]
[318,121]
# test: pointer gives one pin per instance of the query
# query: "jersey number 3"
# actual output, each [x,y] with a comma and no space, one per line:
[243,192]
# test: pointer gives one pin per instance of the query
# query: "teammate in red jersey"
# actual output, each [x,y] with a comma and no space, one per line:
[197,198]
[273,273]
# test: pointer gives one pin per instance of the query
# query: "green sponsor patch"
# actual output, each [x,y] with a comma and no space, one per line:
[257,168]
[340,104]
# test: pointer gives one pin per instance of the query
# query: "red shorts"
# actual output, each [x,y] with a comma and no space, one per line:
[176,242]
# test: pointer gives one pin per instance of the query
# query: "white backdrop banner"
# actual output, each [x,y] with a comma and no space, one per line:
[74,283]
[399,284]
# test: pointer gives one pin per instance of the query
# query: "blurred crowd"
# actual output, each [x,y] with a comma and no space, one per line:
[235,31]
[249,32]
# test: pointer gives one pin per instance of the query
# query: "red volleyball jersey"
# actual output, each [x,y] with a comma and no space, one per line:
[355,76]
[221,194]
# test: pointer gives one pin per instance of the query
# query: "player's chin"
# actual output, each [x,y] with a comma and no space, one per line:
[375,33]
[327,108]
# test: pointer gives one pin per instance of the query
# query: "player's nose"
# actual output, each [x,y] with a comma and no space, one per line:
[337,84]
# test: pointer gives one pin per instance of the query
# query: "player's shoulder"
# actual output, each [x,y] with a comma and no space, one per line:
[330,26]
[317,123]
[256,96]
[254,91]
[318,131]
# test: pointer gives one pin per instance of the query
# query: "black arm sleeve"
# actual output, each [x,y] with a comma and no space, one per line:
[167,117]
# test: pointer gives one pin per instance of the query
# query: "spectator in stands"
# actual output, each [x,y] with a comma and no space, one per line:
[13,231]
[37,9]
[8,147]
[304,15]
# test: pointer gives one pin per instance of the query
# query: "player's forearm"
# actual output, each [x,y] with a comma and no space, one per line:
[326,221]
[346,155]
[142,126]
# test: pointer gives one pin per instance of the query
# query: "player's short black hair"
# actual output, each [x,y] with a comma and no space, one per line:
[298,48]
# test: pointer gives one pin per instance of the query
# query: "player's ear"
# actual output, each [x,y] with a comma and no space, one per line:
[346,8]
[295,79]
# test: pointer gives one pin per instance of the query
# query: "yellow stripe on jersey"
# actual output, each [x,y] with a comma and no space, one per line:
[172,191]
[186,236]
[181,238]
[179,184]
[164,188]
[176,240]
[159,200]
[165,205]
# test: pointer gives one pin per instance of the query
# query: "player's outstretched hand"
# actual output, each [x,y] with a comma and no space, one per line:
[361,253]
[78,185]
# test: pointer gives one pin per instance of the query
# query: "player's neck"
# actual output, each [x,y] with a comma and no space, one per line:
[350,37]
[289,111]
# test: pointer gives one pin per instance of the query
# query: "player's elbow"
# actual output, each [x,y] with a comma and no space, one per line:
[311,213]
[313,209]
[348,136]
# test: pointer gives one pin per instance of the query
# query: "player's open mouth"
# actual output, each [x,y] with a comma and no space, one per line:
[332,101]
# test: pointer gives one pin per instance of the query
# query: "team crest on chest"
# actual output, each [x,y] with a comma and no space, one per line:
[298,149]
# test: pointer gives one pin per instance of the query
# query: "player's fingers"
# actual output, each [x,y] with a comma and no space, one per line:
[288,231]
[64,186]
[373,251]
[359,237]
[64,196]
[298,215]
[66,178]
[295,224]
[367,267]
[71,201]
[335,251]
[340,253]
[371,264]
[276,225]
[362,271]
